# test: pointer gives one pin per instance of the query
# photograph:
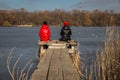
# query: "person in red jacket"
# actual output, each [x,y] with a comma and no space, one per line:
[44,32]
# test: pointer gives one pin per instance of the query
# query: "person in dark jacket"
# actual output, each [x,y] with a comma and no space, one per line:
[65,32]
[44,32]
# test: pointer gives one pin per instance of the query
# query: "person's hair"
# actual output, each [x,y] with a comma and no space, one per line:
[45,22]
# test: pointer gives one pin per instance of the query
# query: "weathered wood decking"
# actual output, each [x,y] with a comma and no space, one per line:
[55,64]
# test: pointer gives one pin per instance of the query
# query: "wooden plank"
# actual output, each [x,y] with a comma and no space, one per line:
[57,45]
[69,72]
[43,67]
[55,65]
[55,72]
[72,42]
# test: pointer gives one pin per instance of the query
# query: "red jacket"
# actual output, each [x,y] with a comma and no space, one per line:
[44,33]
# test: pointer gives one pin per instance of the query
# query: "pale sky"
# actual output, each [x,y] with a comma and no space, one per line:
[32,5]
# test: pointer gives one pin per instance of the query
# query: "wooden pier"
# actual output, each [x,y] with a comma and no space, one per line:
[55,61]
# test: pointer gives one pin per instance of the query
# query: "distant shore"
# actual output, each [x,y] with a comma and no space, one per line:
[22,17]
[30,26]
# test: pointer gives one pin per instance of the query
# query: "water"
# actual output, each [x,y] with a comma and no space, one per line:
[24,42]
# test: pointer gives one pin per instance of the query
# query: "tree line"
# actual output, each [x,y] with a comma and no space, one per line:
[58,16]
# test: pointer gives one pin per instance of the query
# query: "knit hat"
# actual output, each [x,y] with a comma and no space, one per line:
[66,23]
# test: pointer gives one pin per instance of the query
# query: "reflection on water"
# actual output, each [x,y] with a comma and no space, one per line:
[25,42]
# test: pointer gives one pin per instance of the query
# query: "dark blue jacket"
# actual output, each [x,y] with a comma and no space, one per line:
[65,33]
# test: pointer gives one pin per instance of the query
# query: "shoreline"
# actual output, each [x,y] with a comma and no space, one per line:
[30,26]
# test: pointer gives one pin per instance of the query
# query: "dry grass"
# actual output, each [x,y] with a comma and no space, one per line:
[110,57]
[76,61]
[107,63]
[14,71]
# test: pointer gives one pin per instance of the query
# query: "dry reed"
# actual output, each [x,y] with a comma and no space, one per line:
[16,75]
[107,63]
[76,61]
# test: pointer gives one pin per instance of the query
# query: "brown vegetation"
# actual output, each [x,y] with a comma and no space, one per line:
[14,70]
[56,17]
[106,66]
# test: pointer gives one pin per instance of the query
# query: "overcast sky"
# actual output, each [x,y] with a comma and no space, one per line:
[33,5]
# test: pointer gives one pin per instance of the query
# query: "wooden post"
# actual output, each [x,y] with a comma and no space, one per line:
[72,50]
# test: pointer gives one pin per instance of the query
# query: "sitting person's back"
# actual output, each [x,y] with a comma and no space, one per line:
[65,32]
[44,32]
